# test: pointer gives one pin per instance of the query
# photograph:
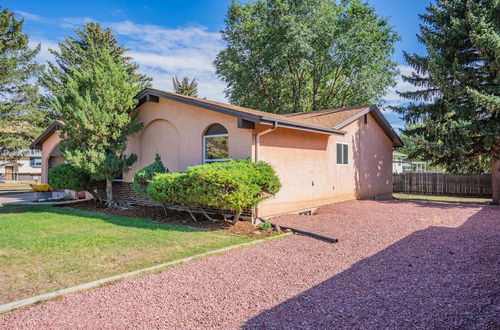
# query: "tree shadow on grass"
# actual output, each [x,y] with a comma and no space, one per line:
[110,218]
[440,277]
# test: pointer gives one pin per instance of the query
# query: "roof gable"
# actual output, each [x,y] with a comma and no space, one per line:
[55,126]
[339,118]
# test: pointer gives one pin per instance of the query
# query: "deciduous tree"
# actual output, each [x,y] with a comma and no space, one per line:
[291,56]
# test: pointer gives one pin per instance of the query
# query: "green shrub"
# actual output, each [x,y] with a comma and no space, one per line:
[234,185]
[67,176]
[266,225]
[144,175]
[168,188]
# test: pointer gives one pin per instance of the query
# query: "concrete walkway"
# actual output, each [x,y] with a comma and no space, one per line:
[17,198]
[397,265]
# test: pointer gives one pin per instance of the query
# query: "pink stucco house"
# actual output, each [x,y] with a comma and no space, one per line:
[321,157]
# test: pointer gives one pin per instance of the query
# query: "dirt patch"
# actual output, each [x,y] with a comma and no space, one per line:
[156,213]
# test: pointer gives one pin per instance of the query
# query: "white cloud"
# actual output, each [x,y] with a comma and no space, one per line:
[44,55]
[392,97]
[75,22]
[29,16]
[163,53]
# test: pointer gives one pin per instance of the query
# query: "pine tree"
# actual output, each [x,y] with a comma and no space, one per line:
[91,87]
[77,51]
[21,118]
[97,107]
[185,87]
[454,117]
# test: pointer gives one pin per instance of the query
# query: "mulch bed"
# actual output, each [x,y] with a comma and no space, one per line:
[155,213]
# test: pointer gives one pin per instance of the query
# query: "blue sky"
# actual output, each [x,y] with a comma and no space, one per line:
[170,37]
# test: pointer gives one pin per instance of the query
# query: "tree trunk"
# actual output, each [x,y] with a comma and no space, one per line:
[495,180]
[236,218]
[110,203]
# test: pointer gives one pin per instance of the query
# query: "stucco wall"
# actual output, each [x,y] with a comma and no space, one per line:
[175,130]
[307,166]
[47,148]
[374,161]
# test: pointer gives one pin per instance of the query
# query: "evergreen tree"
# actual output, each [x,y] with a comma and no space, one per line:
[291,56]
[21,118]
[185,87]
[92,86]
[78,51]
[454,116]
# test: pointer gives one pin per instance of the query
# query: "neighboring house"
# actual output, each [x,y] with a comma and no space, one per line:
[320,157]
[401,164]
[22,166]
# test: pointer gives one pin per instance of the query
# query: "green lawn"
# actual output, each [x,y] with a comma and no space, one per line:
[44,248]
[448,199]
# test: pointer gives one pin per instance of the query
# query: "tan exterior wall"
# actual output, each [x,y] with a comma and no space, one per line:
[304,161]
[22,169]
[175,130]
[306,165]
[47,148]
[26,167]
[374,161]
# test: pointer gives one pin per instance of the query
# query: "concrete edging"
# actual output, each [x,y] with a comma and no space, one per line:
[54,294]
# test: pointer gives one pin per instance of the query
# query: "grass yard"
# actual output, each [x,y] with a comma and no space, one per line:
[447,199]
[44,248]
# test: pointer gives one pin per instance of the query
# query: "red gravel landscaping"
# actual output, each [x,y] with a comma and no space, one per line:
[398,264]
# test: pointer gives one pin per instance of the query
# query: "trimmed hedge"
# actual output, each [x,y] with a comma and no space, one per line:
[234,185]
[144,175]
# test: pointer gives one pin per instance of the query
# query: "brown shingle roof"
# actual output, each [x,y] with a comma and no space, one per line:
[329,121]
[255,116]
[329,117]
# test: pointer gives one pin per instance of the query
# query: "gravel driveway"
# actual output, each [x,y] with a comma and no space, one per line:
[398,264]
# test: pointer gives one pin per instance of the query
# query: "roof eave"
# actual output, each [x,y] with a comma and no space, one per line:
[37,144]
[240,114]
[302,127]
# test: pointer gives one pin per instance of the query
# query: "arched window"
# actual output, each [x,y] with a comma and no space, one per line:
[215,144]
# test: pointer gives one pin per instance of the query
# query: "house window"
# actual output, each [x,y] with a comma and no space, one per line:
[35,161]
[215,144]
[342,153]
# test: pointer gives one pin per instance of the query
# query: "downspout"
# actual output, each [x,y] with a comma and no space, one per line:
[257,139]
[256,158]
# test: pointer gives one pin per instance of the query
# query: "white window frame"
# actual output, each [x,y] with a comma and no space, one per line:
[32,163]
[205,160]
[336,160]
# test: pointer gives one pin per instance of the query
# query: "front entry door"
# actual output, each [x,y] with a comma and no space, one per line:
[9,172]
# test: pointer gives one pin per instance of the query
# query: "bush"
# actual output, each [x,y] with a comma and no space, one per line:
[146,174]
[234,185]
[168,188]
[266,225]
[42,187]
[67,176]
